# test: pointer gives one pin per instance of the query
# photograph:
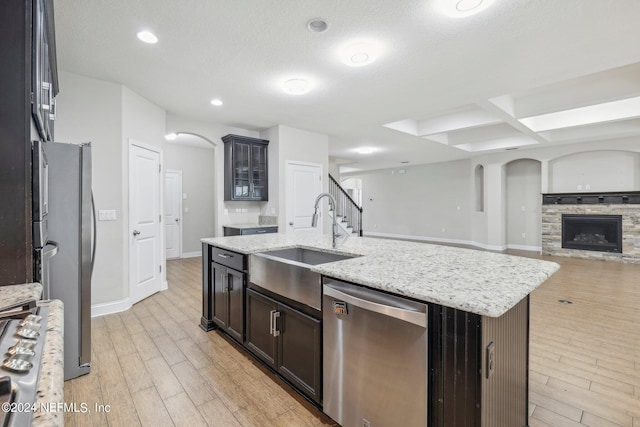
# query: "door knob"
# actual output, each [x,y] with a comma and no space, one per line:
[291,223]
[177,219]
[136,232]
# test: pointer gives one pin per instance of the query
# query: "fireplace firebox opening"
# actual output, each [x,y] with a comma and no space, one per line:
[592,232]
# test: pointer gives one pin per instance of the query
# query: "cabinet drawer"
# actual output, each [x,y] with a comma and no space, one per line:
[229,259]
[259,230]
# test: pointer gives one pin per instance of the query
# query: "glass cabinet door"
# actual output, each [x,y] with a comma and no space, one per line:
[241,177]
[245,168]
[258,171]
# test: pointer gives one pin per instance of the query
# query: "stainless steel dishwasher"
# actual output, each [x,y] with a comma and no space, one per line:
[375,357]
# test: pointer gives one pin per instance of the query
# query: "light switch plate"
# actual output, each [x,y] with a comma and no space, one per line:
[107,215]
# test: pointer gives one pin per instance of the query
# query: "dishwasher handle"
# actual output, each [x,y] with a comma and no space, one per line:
[406,314]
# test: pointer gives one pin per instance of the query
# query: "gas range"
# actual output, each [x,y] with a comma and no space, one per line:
[22,340]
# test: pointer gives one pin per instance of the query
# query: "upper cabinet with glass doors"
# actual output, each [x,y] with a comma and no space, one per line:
[245,168]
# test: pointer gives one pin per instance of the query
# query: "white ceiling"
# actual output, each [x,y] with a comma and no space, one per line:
[455,86]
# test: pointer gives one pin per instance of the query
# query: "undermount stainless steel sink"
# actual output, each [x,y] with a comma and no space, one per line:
[287,272]
[306,256]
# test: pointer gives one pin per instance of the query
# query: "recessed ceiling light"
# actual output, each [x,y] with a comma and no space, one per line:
[296,86]
[365,150]
[171,136]
[147,37]
[462,8]
[317,25]
[360,54]
[467,5]
[217,102]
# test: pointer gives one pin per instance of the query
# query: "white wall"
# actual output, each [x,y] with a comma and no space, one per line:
[302,146]
[595,171]
[90,110]
[142,121]
[523,204]
[420,202]
[108,114]
[206,183]
[396,211]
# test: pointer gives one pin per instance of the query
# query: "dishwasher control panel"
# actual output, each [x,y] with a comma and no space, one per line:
[340,307]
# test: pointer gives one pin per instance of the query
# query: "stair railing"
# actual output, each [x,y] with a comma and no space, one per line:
[346,207]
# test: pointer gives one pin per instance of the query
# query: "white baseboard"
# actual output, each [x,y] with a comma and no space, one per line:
[192,254]
[103,309]
[437,240]
[526,248]
[164,286]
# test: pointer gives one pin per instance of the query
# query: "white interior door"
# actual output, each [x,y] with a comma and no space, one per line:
[304,183]
[145,238]
[173,214]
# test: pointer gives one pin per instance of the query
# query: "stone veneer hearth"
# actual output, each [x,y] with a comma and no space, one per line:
[552,225]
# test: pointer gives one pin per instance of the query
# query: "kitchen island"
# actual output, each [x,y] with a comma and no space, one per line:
[477,321]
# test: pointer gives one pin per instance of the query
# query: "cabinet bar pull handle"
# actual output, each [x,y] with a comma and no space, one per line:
[225,256]
[225,282]
[271,322]
[276,315]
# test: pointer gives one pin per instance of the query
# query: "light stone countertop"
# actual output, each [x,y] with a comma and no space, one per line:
[253,225]
[51,379]
[12,294]
[484,283]
[51,375]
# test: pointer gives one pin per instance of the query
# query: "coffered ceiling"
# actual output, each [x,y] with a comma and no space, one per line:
[520,74]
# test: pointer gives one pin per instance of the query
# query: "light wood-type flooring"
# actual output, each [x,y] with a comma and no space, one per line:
[155,367]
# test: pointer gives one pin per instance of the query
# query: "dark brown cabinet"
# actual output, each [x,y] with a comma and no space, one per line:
[287,340]
[24,26]
[244,231]
[44,79]
[245,168]
[224,280]
[228,299]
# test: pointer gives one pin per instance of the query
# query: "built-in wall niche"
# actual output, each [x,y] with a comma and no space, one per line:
[595,171]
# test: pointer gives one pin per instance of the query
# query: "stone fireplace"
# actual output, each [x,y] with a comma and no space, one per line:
[592,225]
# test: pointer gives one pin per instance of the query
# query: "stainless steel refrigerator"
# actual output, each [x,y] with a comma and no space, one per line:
[70,218]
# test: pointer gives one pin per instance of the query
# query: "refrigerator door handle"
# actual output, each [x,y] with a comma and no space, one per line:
[95,233]
[49,251]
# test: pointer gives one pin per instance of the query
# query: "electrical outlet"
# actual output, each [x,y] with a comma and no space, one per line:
[523,208]
[587,187]
[186,210]
[579,187]
[226,212]
[524,235]
[184,196]
[443,229]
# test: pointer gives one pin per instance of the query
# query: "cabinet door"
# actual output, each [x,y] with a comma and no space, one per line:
[260,339]
[240,171]
[220,301]
[235,295]
[299,353]
[259,184]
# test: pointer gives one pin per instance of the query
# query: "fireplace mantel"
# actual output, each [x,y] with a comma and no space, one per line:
[610,198]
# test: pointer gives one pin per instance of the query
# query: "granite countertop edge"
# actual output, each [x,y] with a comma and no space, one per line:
[480,282]
[245,226]
[50,392]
